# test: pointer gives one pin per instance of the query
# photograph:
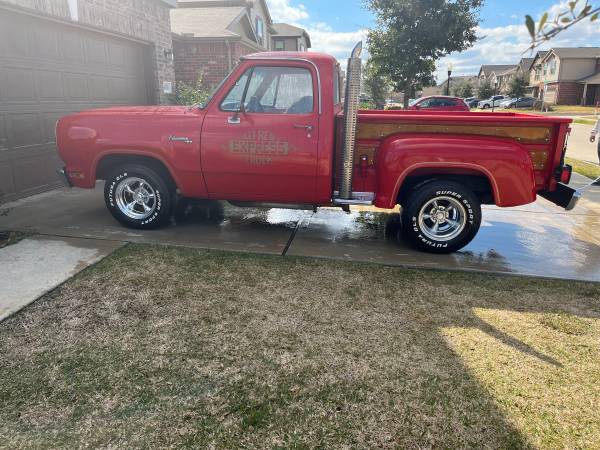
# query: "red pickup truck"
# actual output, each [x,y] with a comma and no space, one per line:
[277,133]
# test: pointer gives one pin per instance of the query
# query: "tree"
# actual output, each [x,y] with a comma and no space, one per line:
[463,89]
[517,86]
[411,35]
[548,27]
[485,90]
[376,85]
[191,94]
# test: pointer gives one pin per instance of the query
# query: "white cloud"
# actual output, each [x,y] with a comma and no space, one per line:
[324,38]
[283,11]
[508,44]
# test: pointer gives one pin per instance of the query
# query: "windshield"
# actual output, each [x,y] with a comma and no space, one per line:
[204,104]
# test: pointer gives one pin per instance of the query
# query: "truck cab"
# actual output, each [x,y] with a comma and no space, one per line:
[280,131]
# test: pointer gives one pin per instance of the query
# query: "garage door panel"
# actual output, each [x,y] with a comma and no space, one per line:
[50,85]
[45,43]
[49,70]
[3,133]
[95,51]
[18,85]
[35,170]
[25,130]
[99,88]
[15,37]
[72,47]
[7,181]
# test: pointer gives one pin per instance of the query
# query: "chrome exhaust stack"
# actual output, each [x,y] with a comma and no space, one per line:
[353,82]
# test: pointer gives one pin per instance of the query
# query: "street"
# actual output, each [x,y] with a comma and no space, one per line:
[579,146]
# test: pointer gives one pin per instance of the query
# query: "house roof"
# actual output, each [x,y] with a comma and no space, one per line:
[223,4]
[577,52]
[471,78]
[211,22]
[513,69]
[287,30]
[525,64]
[539,56]
[495,68]
[594,79]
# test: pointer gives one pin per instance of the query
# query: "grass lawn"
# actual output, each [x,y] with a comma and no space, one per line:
[591,122]
[584,168]
[162,347]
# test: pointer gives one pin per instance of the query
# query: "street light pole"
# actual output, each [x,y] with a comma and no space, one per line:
[493,100]
[449,75]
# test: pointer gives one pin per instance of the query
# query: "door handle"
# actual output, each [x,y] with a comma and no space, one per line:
[185,140]
[305,127]
[234,120]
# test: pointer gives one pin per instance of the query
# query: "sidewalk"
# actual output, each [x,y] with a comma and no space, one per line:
[36,265]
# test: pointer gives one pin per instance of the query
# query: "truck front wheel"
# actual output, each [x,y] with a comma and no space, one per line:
[138,197]
[441,217]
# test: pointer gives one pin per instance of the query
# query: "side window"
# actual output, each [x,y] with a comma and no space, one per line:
[279,90]
[233,101]
[337,78]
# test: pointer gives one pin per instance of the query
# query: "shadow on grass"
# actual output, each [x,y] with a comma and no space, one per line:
[162,347]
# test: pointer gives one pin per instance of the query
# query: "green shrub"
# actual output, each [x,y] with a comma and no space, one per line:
[191,94]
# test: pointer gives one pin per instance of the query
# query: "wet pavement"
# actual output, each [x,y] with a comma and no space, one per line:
[538,239]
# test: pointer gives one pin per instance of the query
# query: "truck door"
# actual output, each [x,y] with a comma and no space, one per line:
[260,140]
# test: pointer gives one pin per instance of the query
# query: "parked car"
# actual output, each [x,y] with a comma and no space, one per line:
[523,102]
[440,104]
[255,145]
[504,103]
[472,102]
[492,102]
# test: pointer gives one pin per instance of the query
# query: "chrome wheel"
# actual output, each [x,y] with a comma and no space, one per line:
[442,219]
[135,198]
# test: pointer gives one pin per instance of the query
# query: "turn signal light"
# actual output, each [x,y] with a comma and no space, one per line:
[565,174]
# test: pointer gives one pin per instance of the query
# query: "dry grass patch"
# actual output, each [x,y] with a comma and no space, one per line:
[162,347]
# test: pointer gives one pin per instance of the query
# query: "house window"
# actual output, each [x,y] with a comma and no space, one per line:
[260,30]
[279,45]
[553,66]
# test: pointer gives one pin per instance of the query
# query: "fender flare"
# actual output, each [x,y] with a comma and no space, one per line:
[126,152]
[504,162]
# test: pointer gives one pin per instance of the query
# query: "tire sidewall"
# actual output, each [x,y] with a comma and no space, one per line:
[467,199]
[161,190]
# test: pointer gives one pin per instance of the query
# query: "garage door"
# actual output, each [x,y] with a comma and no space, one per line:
[49,69]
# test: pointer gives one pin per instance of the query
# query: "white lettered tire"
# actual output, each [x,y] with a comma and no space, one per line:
[441,217]
[138,197]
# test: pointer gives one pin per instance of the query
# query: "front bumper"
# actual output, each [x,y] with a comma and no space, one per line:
[64,177]
[564,196]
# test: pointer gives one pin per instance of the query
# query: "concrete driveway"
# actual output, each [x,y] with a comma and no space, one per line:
[538,239]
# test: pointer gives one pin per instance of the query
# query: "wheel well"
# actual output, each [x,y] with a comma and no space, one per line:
[110,162]
[479,184]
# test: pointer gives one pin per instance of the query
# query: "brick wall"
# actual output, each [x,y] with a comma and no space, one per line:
[569,93]
[211,59]
[148,20]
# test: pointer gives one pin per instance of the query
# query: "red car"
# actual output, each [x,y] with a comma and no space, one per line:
[276,133]
[440,104]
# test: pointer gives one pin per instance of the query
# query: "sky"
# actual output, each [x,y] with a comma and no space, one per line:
[336,25]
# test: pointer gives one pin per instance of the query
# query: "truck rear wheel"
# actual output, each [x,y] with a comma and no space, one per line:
[441,217]
[138,197]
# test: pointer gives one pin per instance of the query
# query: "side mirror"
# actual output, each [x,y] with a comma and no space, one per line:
[235,119]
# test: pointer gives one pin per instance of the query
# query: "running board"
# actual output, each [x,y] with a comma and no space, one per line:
[358,198]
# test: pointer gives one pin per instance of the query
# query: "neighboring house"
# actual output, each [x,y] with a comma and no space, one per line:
[210,36]
[488,72]
[61,56]
[567,76]
[442,88]
[289,38]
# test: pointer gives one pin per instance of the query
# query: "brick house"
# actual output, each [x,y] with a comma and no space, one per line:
[567,76]
[290,38]
[210,36]
[61,56]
